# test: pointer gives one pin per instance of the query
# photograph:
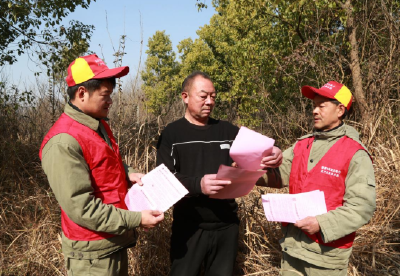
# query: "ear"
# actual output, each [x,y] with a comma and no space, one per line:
[80,93]
[341,109]
[185,97]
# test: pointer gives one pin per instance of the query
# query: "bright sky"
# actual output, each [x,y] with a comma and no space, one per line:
[179,18]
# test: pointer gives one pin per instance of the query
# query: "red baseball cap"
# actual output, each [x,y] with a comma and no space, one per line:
[92,67]
[331,90]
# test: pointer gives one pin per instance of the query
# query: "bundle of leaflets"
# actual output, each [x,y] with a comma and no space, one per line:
[160,190]
[293,207]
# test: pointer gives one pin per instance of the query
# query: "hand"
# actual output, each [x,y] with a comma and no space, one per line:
[309,225]
[274,160]
[210,185]
[135,178]
[234,165]
[150,218]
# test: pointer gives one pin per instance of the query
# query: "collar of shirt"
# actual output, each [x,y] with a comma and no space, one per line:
[82,118]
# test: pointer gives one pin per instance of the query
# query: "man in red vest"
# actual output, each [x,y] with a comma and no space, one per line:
[333,160]
[85,170]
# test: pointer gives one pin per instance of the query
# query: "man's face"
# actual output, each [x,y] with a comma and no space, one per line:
[326,114]
[200,101]
[97,103]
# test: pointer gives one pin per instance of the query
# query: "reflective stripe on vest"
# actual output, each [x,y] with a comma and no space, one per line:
[106,171]
[328,175]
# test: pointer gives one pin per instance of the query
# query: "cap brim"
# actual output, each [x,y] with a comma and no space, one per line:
[310,92]
[113,73]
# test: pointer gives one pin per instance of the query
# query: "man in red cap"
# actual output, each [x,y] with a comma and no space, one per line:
[333,160]
[85,170]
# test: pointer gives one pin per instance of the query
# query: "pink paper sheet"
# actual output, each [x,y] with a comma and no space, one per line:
[249,147]
[242,180]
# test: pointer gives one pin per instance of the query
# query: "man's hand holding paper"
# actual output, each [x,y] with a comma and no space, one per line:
[274,160]
[135,178]
[309,225]
[210,185]
[150,218]
[249,148]
[300,208]
[159,191]
[250,151]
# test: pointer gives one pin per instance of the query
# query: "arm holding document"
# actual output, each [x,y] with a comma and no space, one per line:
[210,185]
[150,218]
[359,201]
[274,160]
[135,178]
[277,177]
[356,208]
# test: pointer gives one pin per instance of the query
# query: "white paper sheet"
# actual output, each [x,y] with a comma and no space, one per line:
[293,207]
[160,190]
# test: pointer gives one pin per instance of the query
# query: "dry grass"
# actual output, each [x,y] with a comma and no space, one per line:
[30,216]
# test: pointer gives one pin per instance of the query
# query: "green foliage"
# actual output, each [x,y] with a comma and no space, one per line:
[35,24]
[160,77]
[244,37]
[11,99]
[260,53]
[200,5]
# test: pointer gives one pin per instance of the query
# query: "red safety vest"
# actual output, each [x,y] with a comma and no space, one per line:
[328,175]
[106,171]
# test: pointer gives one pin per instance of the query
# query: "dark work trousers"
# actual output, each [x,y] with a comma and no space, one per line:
[190,247]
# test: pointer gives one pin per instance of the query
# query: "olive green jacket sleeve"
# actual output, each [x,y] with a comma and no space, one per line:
[68,175]
[359,201]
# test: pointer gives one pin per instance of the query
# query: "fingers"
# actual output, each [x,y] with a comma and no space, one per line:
[274,160]
[215,189]
[157,214]
[210,176]
[299,223]
[136,178]
[210,185]
[309,224]
[150,218]
[211,179]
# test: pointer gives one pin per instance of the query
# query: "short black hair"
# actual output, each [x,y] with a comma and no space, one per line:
[187,83]
[346,112]
[90,85]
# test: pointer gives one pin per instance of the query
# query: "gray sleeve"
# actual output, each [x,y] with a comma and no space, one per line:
[359,201]
[69,178]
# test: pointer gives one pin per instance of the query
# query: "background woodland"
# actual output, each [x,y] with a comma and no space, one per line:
[259,54]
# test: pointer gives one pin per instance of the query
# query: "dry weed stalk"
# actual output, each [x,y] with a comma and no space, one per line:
[30,216]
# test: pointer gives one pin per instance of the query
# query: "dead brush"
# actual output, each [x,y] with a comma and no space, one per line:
[30,216]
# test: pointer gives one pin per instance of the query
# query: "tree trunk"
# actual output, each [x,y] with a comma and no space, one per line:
[355,62]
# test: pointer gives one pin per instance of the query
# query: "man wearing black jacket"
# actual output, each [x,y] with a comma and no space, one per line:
[193,148]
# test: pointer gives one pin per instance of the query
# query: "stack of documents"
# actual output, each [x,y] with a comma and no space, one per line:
[293,207]
[160,190]
[247,150]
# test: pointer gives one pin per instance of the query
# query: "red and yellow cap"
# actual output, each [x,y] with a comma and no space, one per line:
[92,67]
[331,90]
